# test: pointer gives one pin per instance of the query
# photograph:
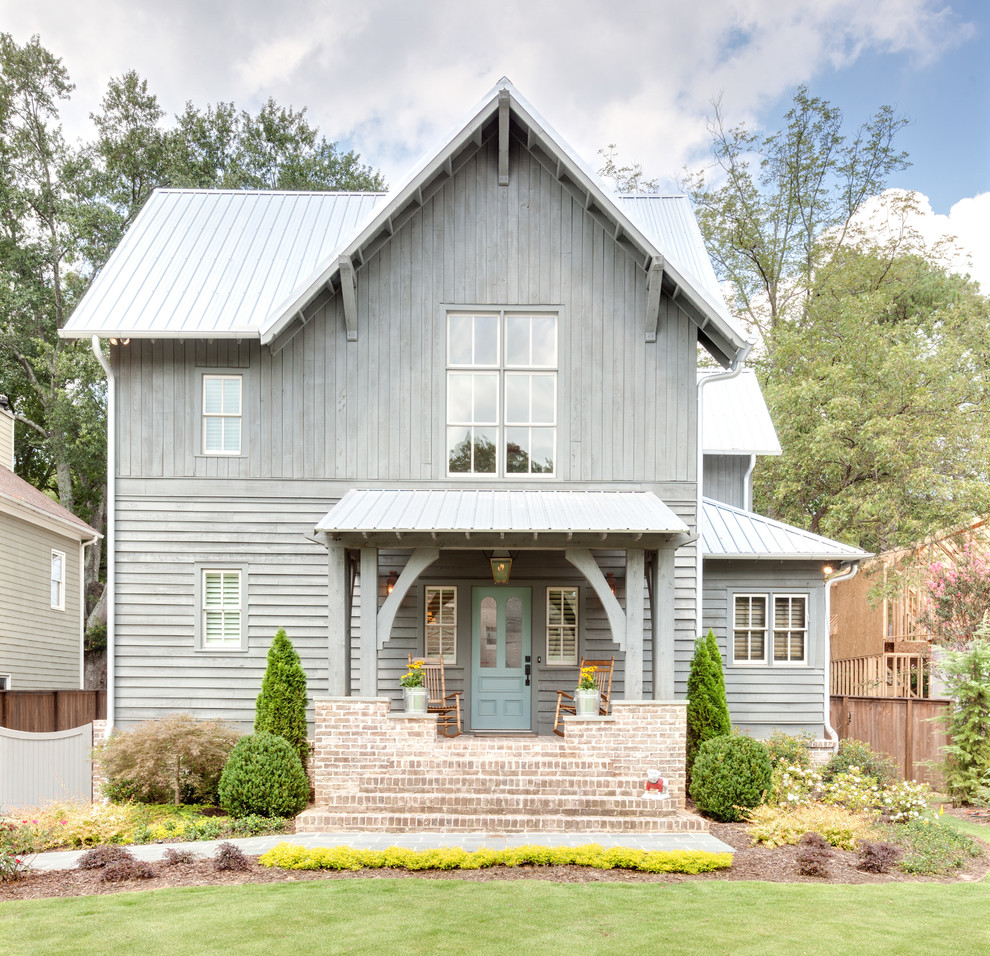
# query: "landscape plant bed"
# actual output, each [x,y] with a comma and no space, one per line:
[751,863]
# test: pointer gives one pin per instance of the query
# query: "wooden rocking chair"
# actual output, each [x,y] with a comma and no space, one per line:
[603,683]
[446,706]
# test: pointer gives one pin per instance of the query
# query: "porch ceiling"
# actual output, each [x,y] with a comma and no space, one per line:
[486,518]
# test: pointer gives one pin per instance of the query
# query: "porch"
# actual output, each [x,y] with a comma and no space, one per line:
[375,769]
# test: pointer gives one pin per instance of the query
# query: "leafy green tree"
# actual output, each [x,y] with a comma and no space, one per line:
[707,709]
[281,705]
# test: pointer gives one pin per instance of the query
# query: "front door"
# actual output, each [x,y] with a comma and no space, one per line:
[501,637]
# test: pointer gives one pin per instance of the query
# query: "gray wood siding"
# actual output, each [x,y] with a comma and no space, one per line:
[725,479]
[374,409]
[39,646]
[764,698]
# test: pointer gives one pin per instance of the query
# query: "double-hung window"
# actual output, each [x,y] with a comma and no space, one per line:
[501,393]
[222,618]
[58,580]
[440,628]
[221,414]
[777,623]
[562,625]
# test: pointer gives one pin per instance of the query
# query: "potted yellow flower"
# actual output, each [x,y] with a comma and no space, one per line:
[413,691]
[587,698]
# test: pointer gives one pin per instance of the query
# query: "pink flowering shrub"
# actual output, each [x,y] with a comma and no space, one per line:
[958,598]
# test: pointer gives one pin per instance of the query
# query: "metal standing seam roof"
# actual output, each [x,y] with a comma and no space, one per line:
[480,511]
[214,263]
[729,532]
[735,419]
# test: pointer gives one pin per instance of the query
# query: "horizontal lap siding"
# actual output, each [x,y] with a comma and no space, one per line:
[39,645]
[763,698]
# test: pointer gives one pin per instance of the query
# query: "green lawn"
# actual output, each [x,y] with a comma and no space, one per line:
[408,916]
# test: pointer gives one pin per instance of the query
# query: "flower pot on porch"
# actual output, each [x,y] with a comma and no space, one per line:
[415,699]
[586,702]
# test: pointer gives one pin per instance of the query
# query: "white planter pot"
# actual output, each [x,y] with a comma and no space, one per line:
[415,698]
[587,702]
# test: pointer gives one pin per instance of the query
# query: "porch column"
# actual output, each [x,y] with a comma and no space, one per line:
[663,626]
[635,581]
[368,672]
[338,656]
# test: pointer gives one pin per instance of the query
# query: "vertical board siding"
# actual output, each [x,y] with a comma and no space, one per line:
[39,645]
[725,478]
[765,698]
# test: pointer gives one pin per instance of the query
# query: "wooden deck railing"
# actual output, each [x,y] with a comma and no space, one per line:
[883,675]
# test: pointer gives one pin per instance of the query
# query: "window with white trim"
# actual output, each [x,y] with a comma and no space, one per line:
[501,393]
[4,681]
[222,616]
[770,622]
[562,625]
[440,626]
[221,414]
[58,580]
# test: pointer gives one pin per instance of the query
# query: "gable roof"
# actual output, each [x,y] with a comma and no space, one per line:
[248,265]
[21,498]
[735,419]
[729,532]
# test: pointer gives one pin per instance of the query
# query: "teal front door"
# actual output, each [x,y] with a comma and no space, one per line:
[501,638]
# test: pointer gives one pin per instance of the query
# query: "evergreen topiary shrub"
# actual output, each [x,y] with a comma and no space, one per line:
[264,775]
[870,763]
[707,709]
[281,705]
[731,774]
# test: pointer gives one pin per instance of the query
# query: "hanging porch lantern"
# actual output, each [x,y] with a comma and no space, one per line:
[501,566]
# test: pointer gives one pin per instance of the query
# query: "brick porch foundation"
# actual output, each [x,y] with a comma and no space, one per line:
[376,770]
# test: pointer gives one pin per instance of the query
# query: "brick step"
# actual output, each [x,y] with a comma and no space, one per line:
[478,804]
[521,785]
[501,766]
[324,821]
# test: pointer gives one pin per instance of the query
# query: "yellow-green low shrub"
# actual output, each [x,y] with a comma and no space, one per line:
[776,826]
[289,856]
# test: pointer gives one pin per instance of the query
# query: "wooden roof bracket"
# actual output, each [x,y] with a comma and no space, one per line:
[654,281]
[348,289]
[503,137]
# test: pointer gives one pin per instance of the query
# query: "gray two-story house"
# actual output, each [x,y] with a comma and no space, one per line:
[333,412]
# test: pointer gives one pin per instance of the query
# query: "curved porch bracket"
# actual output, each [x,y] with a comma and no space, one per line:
[418,562]
[583,560]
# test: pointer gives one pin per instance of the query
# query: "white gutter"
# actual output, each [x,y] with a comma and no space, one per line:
[111,522]
[748,483]
[735,369]
[846,575]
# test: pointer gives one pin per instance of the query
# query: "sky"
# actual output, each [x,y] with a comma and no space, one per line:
[390,77]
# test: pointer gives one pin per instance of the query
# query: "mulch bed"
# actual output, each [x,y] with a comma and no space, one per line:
[772,865]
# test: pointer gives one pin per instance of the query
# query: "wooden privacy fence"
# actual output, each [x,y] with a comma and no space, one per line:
[900,726]
[36,769]
[47,711]
[894,674]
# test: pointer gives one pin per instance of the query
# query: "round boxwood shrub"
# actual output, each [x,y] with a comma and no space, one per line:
[730,772]
[856,753]
[264,775]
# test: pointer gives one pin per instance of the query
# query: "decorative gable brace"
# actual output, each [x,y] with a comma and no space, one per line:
[654,281]
[348,287]
[503,137]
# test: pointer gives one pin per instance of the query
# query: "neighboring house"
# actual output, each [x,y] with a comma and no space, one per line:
[333,412]
[42,553]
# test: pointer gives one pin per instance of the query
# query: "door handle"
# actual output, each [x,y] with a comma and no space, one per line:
[529,671]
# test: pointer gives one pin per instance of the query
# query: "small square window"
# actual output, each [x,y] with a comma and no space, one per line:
[221,414]
[58,580]
[562,625]
[440,626]
[4,681]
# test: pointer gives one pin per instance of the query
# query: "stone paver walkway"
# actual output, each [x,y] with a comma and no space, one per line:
[67,859]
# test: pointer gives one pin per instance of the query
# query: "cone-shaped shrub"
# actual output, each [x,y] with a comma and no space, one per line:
[707,710]
[264,775]
[281,706]
[730,774]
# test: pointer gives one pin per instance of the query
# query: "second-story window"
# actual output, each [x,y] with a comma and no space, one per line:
[221,414]
[501,393]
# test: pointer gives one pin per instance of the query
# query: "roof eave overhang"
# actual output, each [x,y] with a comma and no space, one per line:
[723,341]
[17,508]
[807,556]
[161,334]
[515,541]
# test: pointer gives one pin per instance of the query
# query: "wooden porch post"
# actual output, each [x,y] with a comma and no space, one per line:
[338,657]
[368,674]
[663,626]
[635,581]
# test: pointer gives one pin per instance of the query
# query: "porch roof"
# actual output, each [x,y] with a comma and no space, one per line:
[489,518]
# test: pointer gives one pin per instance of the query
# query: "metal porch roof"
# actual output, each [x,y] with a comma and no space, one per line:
[735,419]
[729,532]
[487,517]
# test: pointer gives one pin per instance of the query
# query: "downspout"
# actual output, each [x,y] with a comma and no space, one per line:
[846,575]
[111,522]
[734,369]
[748,483]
